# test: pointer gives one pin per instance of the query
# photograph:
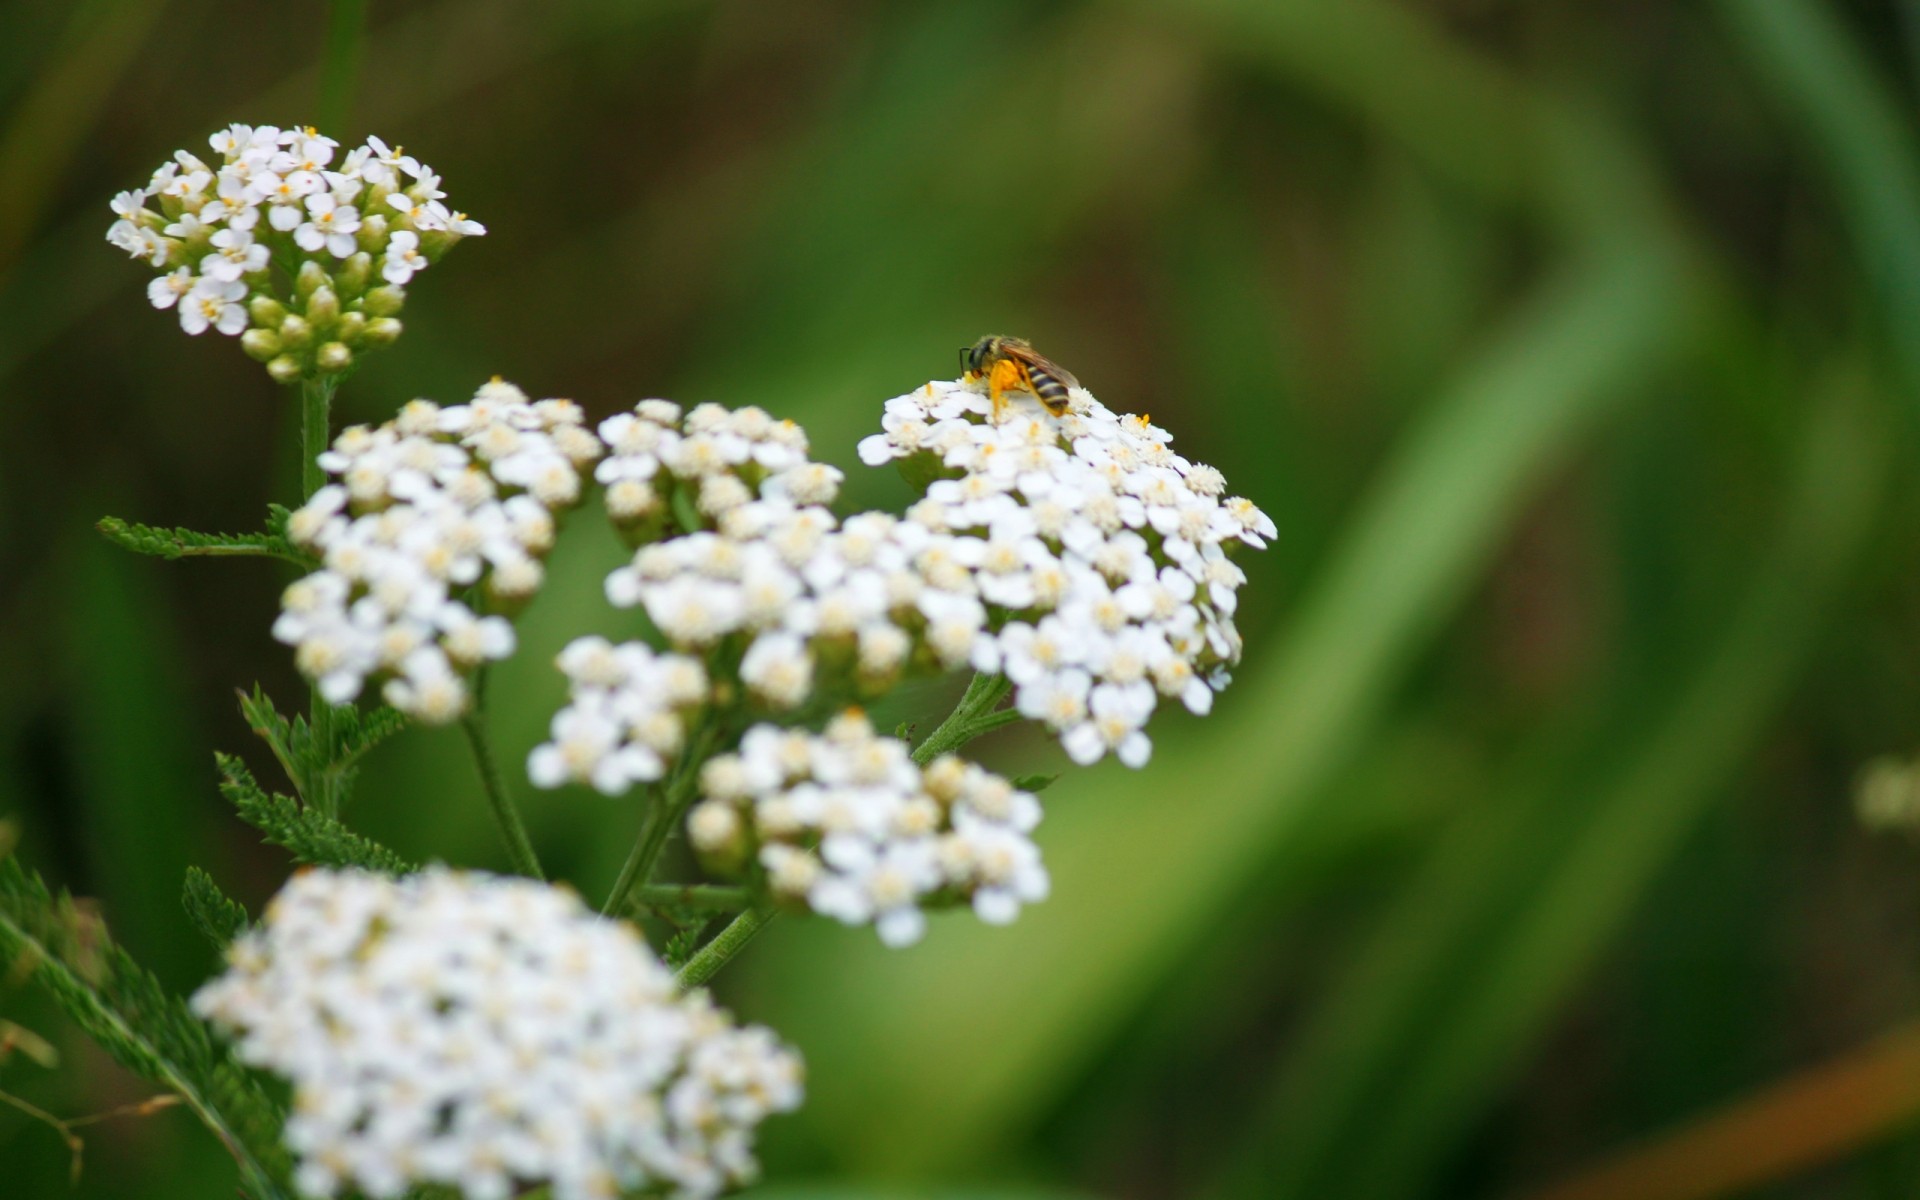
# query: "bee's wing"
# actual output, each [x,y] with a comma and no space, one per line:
[1033,358]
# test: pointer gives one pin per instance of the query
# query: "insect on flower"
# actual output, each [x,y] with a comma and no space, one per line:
[1011,364]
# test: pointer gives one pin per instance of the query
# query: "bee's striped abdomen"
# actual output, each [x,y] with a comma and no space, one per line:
[1051,391]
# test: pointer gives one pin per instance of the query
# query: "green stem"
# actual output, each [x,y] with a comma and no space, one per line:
[716,953]
[669,804]
[973,716]
[316,428]
[512,832]
[346,28]
[698,897]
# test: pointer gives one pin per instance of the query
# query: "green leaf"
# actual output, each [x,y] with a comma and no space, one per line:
[191,543]
[354,732]
[65,948]
[311,836]
[682,945]
[215,914]
[1036,783]
[1402,1055]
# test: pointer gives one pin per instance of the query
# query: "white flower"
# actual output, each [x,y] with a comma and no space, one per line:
[626,716]
[167,290]
[846,822]
[488,1034]
[403,257]
[214,304]
[211,221]
[330,225]
[416,514]
[1106,552]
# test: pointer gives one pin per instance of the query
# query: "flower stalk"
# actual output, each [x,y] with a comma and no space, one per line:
[316,429]
[704,965]
[513,831]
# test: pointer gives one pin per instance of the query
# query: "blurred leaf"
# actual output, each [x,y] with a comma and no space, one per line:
[215,914]
[1463,973]
[1862,132]
[66,950]
[848,1191]
[52,121]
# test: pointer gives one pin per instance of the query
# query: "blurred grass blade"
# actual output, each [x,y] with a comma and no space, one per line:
[945,1056]
[1456,111]
[340,64]
[1812,1117]
[54,118]
[1467,969]
[1860,129]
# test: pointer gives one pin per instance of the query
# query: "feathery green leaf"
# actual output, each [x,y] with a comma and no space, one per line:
[354,732]
[65,948]
[214,913]
[311,836]
[191,543]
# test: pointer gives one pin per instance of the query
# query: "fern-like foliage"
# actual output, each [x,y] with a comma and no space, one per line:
[214,913]
[313,768]
[312,836]
[191,543]
[63,947]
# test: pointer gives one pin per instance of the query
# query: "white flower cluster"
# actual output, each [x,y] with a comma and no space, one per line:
[435,501]
[489,1034]
[846,823]
[319,278]
[626,717]
[1103,554]
[767,559]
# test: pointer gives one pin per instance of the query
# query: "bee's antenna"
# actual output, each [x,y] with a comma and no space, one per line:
[964,364]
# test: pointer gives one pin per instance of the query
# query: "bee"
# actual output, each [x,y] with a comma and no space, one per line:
[1011,364]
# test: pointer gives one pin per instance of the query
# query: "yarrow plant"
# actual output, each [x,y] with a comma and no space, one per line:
[487,1034]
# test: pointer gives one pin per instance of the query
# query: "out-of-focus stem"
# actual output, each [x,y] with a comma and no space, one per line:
[346,31]
[316,428]
[716,953]
[977,713]
[505,815]
[669,804]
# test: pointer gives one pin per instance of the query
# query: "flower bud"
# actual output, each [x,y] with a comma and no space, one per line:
[333,357]
[352,328]
[295,333]
[351,278]
[373,232]
[265,310]
[285,369]
[323,307]
[718,835]
[381,331]
[309,278]
[384,301]
[260,344]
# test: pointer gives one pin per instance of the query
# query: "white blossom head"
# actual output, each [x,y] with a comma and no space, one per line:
[1104,557]
[419,513]
[844,823]
[281,240]
[489,1034]
[625,719]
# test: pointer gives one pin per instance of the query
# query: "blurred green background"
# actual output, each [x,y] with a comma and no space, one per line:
[1575,348]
